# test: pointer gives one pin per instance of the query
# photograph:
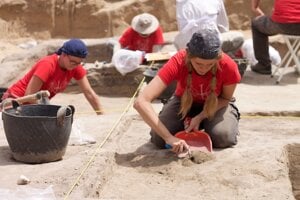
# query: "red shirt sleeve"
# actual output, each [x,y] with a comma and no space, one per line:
[79,72]
[44,69]
[125,39]
[229,72]
[158,37]
[175,66]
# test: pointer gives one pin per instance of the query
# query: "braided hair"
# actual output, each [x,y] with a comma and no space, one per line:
[211,102]
[206,44]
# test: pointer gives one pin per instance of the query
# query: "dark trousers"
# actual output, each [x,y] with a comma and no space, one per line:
[262,27]
[223,128]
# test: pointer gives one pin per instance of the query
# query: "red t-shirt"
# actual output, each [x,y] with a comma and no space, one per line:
[286,11]
[54,77]
[176,69]
[131,40]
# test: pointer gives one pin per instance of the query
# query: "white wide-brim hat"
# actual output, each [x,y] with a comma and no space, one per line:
[144,23]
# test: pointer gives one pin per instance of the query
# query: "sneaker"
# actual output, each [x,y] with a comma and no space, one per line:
[261,69]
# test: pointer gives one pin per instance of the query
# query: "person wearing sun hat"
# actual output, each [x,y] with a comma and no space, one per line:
[206,80]
[145,23]
[54,72]
[144,34]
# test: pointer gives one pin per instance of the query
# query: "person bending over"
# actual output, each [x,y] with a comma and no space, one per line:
[54,72]
[145,34]
[206,80]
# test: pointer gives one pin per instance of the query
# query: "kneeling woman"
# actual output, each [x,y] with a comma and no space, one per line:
[206,80]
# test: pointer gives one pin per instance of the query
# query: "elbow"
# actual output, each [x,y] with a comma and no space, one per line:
[137,104]
[140,103]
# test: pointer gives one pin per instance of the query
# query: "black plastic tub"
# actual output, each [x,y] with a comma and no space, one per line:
[38,133]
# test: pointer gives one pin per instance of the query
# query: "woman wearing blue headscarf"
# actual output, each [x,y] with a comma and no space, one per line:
[54,72]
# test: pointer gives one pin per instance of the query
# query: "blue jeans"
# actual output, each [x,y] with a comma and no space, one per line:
[262,27]
[222,129]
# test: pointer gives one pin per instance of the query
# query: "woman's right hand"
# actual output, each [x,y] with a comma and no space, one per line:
[178,145]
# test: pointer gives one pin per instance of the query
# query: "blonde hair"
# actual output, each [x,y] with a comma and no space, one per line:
[211,102]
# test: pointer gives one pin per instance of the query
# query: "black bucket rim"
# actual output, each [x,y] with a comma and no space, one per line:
[4,111]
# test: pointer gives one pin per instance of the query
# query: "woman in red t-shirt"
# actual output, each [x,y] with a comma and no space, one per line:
[54,72]
[145,34]
[206,80]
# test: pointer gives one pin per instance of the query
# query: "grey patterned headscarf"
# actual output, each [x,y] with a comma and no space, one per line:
[205,43]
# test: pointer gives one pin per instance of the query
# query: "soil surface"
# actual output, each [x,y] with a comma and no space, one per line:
[110,156]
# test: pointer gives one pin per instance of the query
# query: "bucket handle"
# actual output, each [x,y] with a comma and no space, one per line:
[61,114]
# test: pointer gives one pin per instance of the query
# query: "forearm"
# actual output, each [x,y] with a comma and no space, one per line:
[258,12]
[150,117]
[256,9]
[94,101]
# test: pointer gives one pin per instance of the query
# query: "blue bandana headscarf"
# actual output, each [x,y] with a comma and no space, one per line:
[74,47]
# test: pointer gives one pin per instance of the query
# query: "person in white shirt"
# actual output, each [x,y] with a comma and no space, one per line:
[191,15]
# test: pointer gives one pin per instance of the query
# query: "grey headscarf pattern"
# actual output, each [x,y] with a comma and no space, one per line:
[205,43]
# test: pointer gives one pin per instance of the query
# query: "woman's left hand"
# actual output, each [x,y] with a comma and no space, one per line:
[194,123]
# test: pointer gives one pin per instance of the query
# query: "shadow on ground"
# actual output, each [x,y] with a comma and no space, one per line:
[146,156]
[6,157]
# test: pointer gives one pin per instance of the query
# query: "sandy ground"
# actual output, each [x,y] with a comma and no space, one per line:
[109,157]
[122,164]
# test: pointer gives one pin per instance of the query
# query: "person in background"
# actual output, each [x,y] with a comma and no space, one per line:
[192,15]
[206,80]
[285,19]
[145,34]
[54,72]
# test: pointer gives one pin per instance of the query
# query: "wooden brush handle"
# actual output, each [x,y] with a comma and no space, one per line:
[28,98]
